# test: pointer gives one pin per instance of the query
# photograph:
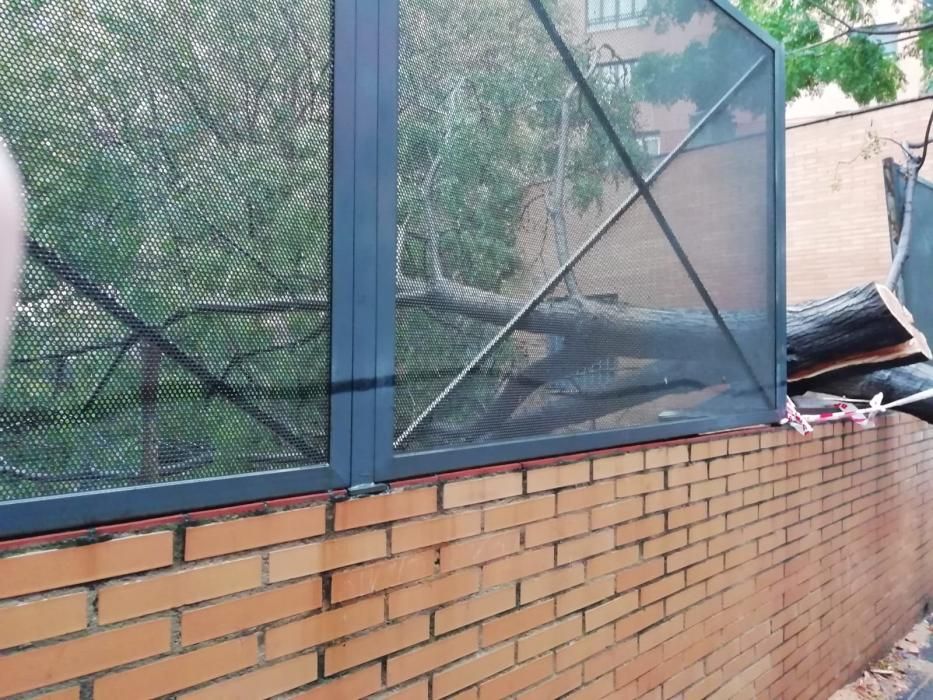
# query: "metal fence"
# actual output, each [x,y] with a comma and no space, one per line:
[285,247]
[916,283]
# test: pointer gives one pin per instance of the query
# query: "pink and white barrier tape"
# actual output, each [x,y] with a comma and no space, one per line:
[845,409]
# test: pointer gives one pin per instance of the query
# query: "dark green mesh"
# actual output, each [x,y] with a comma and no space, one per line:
[174,316]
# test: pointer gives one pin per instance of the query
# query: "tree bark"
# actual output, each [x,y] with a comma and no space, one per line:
[862,326]
[895,383]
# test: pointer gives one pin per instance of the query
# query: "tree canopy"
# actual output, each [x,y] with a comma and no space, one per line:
[834,42]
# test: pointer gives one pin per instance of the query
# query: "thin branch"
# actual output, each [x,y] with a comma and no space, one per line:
[903,242]
[555,201]
[926,142]
[55,264]
[434,252]
[868,29]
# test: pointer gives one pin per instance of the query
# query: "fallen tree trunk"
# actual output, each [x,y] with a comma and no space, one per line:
[861,329]
[864,326]
[850,333]
[895,383]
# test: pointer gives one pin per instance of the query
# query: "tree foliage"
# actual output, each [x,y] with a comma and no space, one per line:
[176,156]
[859,66]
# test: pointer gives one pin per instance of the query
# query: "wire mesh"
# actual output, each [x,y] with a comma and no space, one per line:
[916,280]
[505,173]
[174,311]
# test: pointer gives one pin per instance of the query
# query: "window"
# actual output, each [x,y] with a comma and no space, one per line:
[615,14]
[617,74]
[651,144]
[336,244]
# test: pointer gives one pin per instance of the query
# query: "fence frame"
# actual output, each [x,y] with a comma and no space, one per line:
[363,264]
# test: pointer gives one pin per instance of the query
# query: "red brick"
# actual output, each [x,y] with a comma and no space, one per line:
[617,512]
[548,478]
[637,621]
[610,611]
[708,528]
[323,556]
[687,474]
[611,657]
[637,575]
[525,511]
[584,648]
[178,672]
[37,667]
[669,498]
[662,588]
[585,497]
[685,557]
[466,673]
[42,619]
[474,609]
[517,678]
[363,580]
[279,678]
[513,624]
[424,533]
[585,595]
[665,543]
[707,489]
[380,642]
[584,547]
[702,571]
[479,549]
[639,483]
[639,530]
[554,529]
[353,686]
[557,687]
[215,539]
[685,516]
[403,667]
[58,568]
[546,638]
[626,463]
[123,601]
[650,638]
[522,565]
[489,488]
[667,455]
[552,582]
[618,558]
[324,627]
[433,593]
[370,510]
[209,622]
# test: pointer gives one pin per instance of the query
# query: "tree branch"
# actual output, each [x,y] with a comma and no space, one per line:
[155,335]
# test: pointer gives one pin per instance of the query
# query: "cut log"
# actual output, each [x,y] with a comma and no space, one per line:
[864,327]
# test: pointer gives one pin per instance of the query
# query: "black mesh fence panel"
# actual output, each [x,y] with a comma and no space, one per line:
[174,314]
[917,273]
[538,292]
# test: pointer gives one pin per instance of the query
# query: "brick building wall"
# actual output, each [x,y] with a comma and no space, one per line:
[757,564]
[837,221]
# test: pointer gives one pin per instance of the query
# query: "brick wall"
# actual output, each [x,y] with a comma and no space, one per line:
[756,565]
[837,225]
